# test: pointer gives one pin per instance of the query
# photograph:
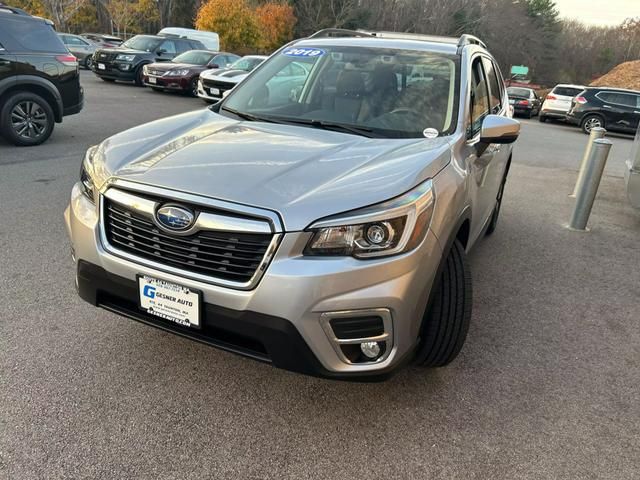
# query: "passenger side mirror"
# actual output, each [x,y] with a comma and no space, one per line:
[499,129]
[215,65]
[160,51]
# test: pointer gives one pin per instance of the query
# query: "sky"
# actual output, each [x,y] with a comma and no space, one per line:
[599,12]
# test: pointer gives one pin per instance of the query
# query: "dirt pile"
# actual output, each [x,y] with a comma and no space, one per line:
[625,75]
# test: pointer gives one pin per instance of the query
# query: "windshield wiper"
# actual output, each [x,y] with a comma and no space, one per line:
[248,116]
[339,127]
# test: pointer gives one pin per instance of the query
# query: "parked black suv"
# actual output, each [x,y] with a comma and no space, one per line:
[615,109]
[39,78]
[126,61]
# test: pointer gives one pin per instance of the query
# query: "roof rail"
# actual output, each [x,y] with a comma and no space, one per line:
[17,11]
[467,39]
[339,32]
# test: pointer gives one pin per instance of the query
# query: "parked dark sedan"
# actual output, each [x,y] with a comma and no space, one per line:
[181,74]
[525,101]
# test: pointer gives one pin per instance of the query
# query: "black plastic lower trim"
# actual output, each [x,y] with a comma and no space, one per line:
[256,335]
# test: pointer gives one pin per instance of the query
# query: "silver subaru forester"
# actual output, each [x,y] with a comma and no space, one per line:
[318,217]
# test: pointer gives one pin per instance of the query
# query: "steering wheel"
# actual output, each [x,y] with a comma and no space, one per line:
[407,111]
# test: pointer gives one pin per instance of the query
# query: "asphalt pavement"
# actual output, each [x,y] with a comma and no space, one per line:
[546,386]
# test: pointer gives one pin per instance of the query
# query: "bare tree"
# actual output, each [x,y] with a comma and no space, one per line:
[62,10]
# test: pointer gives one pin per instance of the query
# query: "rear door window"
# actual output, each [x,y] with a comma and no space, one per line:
[566,91]
[23,35]
[495,92]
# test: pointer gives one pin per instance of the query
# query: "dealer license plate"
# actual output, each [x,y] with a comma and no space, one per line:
[169,301]
[102,66]
[153,80]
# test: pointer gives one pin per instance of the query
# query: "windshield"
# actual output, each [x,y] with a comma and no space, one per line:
[194,57]
[377,92]
[246,63]
[518,92]
[142,42]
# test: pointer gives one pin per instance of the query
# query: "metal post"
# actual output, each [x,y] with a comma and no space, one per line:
[589,183]
[596,132]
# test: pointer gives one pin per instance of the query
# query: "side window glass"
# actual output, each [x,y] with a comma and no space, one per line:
[495,91]
[169,47]
[479,98]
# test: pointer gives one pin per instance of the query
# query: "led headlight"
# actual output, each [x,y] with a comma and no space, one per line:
[177,73]
[389,228]
[126,58]
[92,172]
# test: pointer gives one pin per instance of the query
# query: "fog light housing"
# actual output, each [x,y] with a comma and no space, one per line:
[371,350]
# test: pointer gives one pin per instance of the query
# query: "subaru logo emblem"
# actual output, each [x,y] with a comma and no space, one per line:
[174,217]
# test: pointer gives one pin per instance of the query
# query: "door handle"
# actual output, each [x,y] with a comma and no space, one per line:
[636,111]
[606,106]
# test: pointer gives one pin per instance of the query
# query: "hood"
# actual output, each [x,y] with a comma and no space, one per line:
[226,75]
[302,173]
[123,50]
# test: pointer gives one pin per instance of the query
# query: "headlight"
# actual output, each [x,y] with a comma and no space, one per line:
[177,73]
[126,58]
[92,173]
[389,228]
[145,69]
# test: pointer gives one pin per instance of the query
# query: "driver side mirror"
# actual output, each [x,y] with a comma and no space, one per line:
[499,129]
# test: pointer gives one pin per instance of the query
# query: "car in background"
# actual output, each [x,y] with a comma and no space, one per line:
[210,40]
[39,78]
[525,101]
[557,103]
[181,74]
[102,41]
[81,48]
[615,109]
[214,85]
[126,61]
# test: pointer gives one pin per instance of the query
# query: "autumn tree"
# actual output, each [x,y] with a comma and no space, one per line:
[61,11]
[276,22]
[233,20]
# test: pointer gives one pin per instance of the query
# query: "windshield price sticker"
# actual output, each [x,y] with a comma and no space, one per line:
[304,52]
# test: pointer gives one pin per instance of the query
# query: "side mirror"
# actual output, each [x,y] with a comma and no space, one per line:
[160,51]
[498,129]
[215,65]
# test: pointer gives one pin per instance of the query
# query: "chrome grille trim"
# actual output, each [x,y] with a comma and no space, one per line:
[208,255]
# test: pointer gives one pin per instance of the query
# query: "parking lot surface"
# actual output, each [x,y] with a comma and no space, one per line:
[545,387]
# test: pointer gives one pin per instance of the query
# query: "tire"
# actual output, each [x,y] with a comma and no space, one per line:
[542,119]
[87,62]
[26,119]
[446,322]
[138,80]
[109,80]
[193,88]
[590,121]
[529,114]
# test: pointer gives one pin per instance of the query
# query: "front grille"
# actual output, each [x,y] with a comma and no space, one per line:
[223,255]
[218,84]
[106,57]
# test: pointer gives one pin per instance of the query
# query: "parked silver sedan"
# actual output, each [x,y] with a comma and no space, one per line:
[81,48]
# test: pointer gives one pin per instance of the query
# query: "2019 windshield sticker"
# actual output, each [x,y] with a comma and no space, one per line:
[304,52]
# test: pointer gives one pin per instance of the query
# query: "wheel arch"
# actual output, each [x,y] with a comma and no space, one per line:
[39,86]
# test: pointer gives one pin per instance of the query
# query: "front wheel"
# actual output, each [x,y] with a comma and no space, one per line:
[590,122]
[193,88]
[88,62]
[139,77]
[446,322]
[26,119]
[542,118]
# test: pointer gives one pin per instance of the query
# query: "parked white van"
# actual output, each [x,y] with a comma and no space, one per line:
[209,39]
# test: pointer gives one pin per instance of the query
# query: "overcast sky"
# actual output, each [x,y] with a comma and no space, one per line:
[599,12]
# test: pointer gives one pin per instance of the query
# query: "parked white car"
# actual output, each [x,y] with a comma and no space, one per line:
[558,101]
[213,85]
[210,40]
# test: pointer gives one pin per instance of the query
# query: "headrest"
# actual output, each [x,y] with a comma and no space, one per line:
[350,84]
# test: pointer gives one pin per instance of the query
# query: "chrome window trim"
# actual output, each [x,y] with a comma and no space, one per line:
[637,97]
[177,196]
[387,336]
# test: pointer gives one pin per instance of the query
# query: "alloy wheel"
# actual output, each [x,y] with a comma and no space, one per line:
[592,122]
[29,120]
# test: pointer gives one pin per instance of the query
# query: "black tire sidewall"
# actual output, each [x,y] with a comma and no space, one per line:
[446,320]
[9,134]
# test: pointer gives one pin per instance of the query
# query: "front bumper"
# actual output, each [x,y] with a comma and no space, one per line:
[206,94]
[180,84]
[281,319]
[115,70]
